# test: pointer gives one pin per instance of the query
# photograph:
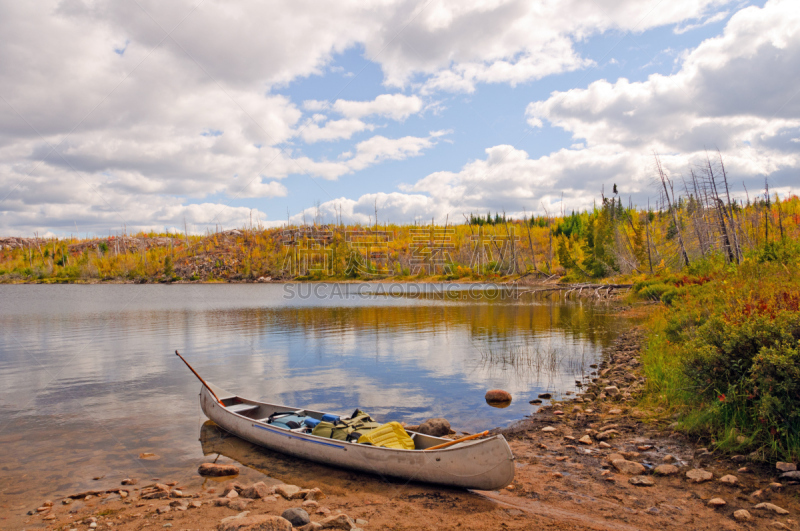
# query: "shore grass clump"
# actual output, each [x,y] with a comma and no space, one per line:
[726,355]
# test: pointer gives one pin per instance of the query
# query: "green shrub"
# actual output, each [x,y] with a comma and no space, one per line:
[654,292]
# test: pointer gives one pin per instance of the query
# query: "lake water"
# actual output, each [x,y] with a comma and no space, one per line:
[89,378]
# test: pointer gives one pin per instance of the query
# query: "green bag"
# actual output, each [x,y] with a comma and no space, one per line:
[353,428]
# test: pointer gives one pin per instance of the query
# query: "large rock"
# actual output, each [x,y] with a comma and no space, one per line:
[437,427]
[698,475]
[256,523]
[256,491]
[785,467]
[217,470]
[742,515]
[794,474]
[497,396]
[631,468]
[298,517]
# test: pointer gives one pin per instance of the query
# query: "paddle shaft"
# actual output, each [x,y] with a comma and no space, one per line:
[201,380]
[451,443]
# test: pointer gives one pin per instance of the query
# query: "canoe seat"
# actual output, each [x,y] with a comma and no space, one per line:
[242,409]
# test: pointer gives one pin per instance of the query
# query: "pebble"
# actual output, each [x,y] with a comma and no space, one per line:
[548,429]
[716,502]
[315,494]
[558,412]
[129,481]
[562,458]
[287,491]
[669,458]
[698,475]
[585,440]
[611,390]
[604,444]
[557,475]
[630,468]
[615,411]
[776,486]
[641,481]
[341,521]
[163,509]
[785,467]
[742,515]
[729,480]
[771,507]
[744,470]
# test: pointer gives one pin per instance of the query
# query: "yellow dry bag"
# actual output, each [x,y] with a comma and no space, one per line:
[390,435]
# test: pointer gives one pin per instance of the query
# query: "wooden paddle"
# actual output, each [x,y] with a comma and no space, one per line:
[451,443]
[201,380]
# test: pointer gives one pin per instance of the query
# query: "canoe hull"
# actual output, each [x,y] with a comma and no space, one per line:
[483,464]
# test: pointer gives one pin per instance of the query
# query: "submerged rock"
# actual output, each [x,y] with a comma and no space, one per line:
[217,470]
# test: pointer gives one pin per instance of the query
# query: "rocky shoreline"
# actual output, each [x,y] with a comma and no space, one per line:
[595,461]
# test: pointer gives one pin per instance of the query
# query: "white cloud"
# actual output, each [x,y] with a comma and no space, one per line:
[333,130]
[739,87]
[145,122]
[379,148]
[394,106]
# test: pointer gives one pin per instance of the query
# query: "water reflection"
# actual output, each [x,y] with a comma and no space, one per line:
[88,378]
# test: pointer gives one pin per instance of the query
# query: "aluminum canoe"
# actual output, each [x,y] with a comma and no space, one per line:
[482,464]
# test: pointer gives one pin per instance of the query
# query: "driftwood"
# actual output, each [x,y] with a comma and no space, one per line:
[594,291]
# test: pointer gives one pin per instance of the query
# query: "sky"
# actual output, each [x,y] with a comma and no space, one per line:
[203,114]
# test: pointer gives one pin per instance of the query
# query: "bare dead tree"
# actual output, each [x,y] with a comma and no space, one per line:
[673,210]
